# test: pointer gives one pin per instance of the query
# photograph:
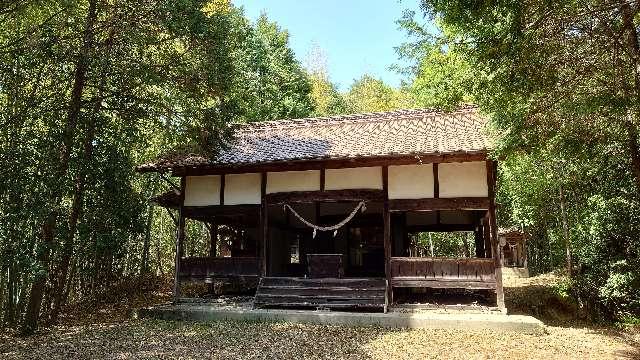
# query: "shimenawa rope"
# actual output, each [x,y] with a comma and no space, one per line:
[361,206]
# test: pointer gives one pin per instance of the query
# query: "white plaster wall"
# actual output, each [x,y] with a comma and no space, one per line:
[202,190]
[353,178]
[468,179]
[242,189]
[285,181]
[411,181]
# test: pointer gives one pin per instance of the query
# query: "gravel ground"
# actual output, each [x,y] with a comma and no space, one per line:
[147,339]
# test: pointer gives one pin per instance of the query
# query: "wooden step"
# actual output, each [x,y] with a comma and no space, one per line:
[329,291]
[348,282]
[320,292]
[313,300]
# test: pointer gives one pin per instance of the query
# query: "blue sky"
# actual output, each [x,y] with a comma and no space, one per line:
[355,36]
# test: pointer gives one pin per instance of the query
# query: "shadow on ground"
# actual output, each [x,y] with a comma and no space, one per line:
[101,330]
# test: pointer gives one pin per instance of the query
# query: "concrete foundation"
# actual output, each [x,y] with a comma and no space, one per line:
[423,320]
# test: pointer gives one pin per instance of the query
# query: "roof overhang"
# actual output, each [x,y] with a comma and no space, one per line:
[318,163]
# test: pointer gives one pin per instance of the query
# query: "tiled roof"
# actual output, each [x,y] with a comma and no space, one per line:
[169,199]
[402,132]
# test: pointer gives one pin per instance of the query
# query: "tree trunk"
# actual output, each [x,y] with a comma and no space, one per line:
[30,322]
[159,270]
[147,243]
[565,232]
[74,215]
[10,302]
[630,33]
[69,285]
[144,268]
[634,149]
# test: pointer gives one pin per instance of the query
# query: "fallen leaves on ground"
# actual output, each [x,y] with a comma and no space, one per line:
[148,339]
[100,329]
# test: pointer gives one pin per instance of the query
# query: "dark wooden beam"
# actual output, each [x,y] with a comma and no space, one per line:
[361,220]
[315,164]
[322,178]
[491,182]
[264,229]
[386,216]
[385,182]
[246,220]
[213,234]
[440,228]
[222,181]
[322,189]
[436,181]
[180,236]
[203,212]
[486,233]
[213,248]
[324,196]
[479,241]
[465,203]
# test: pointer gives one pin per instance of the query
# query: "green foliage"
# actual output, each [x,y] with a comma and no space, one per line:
[148,77]
[325,95]
[368,94]
[445,244]
[562,93]
[609,248]
[441,76]
[443,80]
[271,82]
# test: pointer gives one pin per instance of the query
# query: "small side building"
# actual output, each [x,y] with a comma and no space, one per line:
[513,252]
[323,209]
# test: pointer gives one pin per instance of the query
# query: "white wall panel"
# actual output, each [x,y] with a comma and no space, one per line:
[468,179]
[242,189]
[202,190]
[411,181]
[353,178]
[286,181]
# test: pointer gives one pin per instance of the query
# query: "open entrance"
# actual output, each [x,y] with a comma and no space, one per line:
[442,258]
[352,247]
[442,244]
[219,252]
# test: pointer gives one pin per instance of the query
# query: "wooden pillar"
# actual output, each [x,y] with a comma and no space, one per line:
[213,234]
[491,182]
[436,182]
[387,235]
[524,251]
[222,185]
[479,240]
[180,235]
[264,230]
[398,234]
[486,235]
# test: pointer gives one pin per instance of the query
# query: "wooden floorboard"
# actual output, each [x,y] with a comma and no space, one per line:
[442,283]
[321,292]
